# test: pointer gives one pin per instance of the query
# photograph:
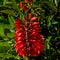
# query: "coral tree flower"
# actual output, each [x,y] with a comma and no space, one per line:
[31,45]
[25,8]
[21,5]
[28,1]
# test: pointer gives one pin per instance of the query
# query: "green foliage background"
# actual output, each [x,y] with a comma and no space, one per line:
[48,12]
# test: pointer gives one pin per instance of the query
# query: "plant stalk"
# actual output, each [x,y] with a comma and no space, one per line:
[26,58]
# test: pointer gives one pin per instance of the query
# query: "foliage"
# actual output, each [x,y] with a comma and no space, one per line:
[48,12]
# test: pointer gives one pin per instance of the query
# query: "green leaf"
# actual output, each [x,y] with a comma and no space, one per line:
[18,57]
[14,5]
[56,2]
[4,44]
[22,16]
[49,20]
[11,20]
[1,2]
[54,22]
[4,2]
[1,17]
[1,31]
[48,39]
[47,42]
[34,5]
[8,12]
[6,55]
[2,27]
[10,35]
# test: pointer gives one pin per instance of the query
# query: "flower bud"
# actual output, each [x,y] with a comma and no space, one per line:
[30,15]
[25,18]
[21,5]
[25,9]
[28,1]
[33,18]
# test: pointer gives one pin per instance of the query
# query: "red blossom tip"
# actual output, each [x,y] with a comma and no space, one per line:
[30,15]
[33,18]
[21,5]
[28,1]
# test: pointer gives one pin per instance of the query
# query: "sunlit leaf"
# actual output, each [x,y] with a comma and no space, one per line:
[10,35]
[6,55]
[4,44]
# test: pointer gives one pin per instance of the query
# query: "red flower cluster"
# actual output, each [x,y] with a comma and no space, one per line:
[28,38]
[23,7]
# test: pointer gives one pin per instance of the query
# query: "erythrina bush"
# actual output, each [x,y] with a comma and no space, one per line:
[29,30]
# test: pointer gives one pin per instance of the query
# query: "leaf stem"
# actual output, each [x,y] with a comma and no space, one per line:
[26,58]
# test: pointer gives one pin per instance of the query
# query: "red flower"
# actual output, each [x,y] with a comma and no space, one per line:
[28,40]
[25,18]
[21,5]
[30,15]
[28,1]
[25,9]
[18,23]
[33,18]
